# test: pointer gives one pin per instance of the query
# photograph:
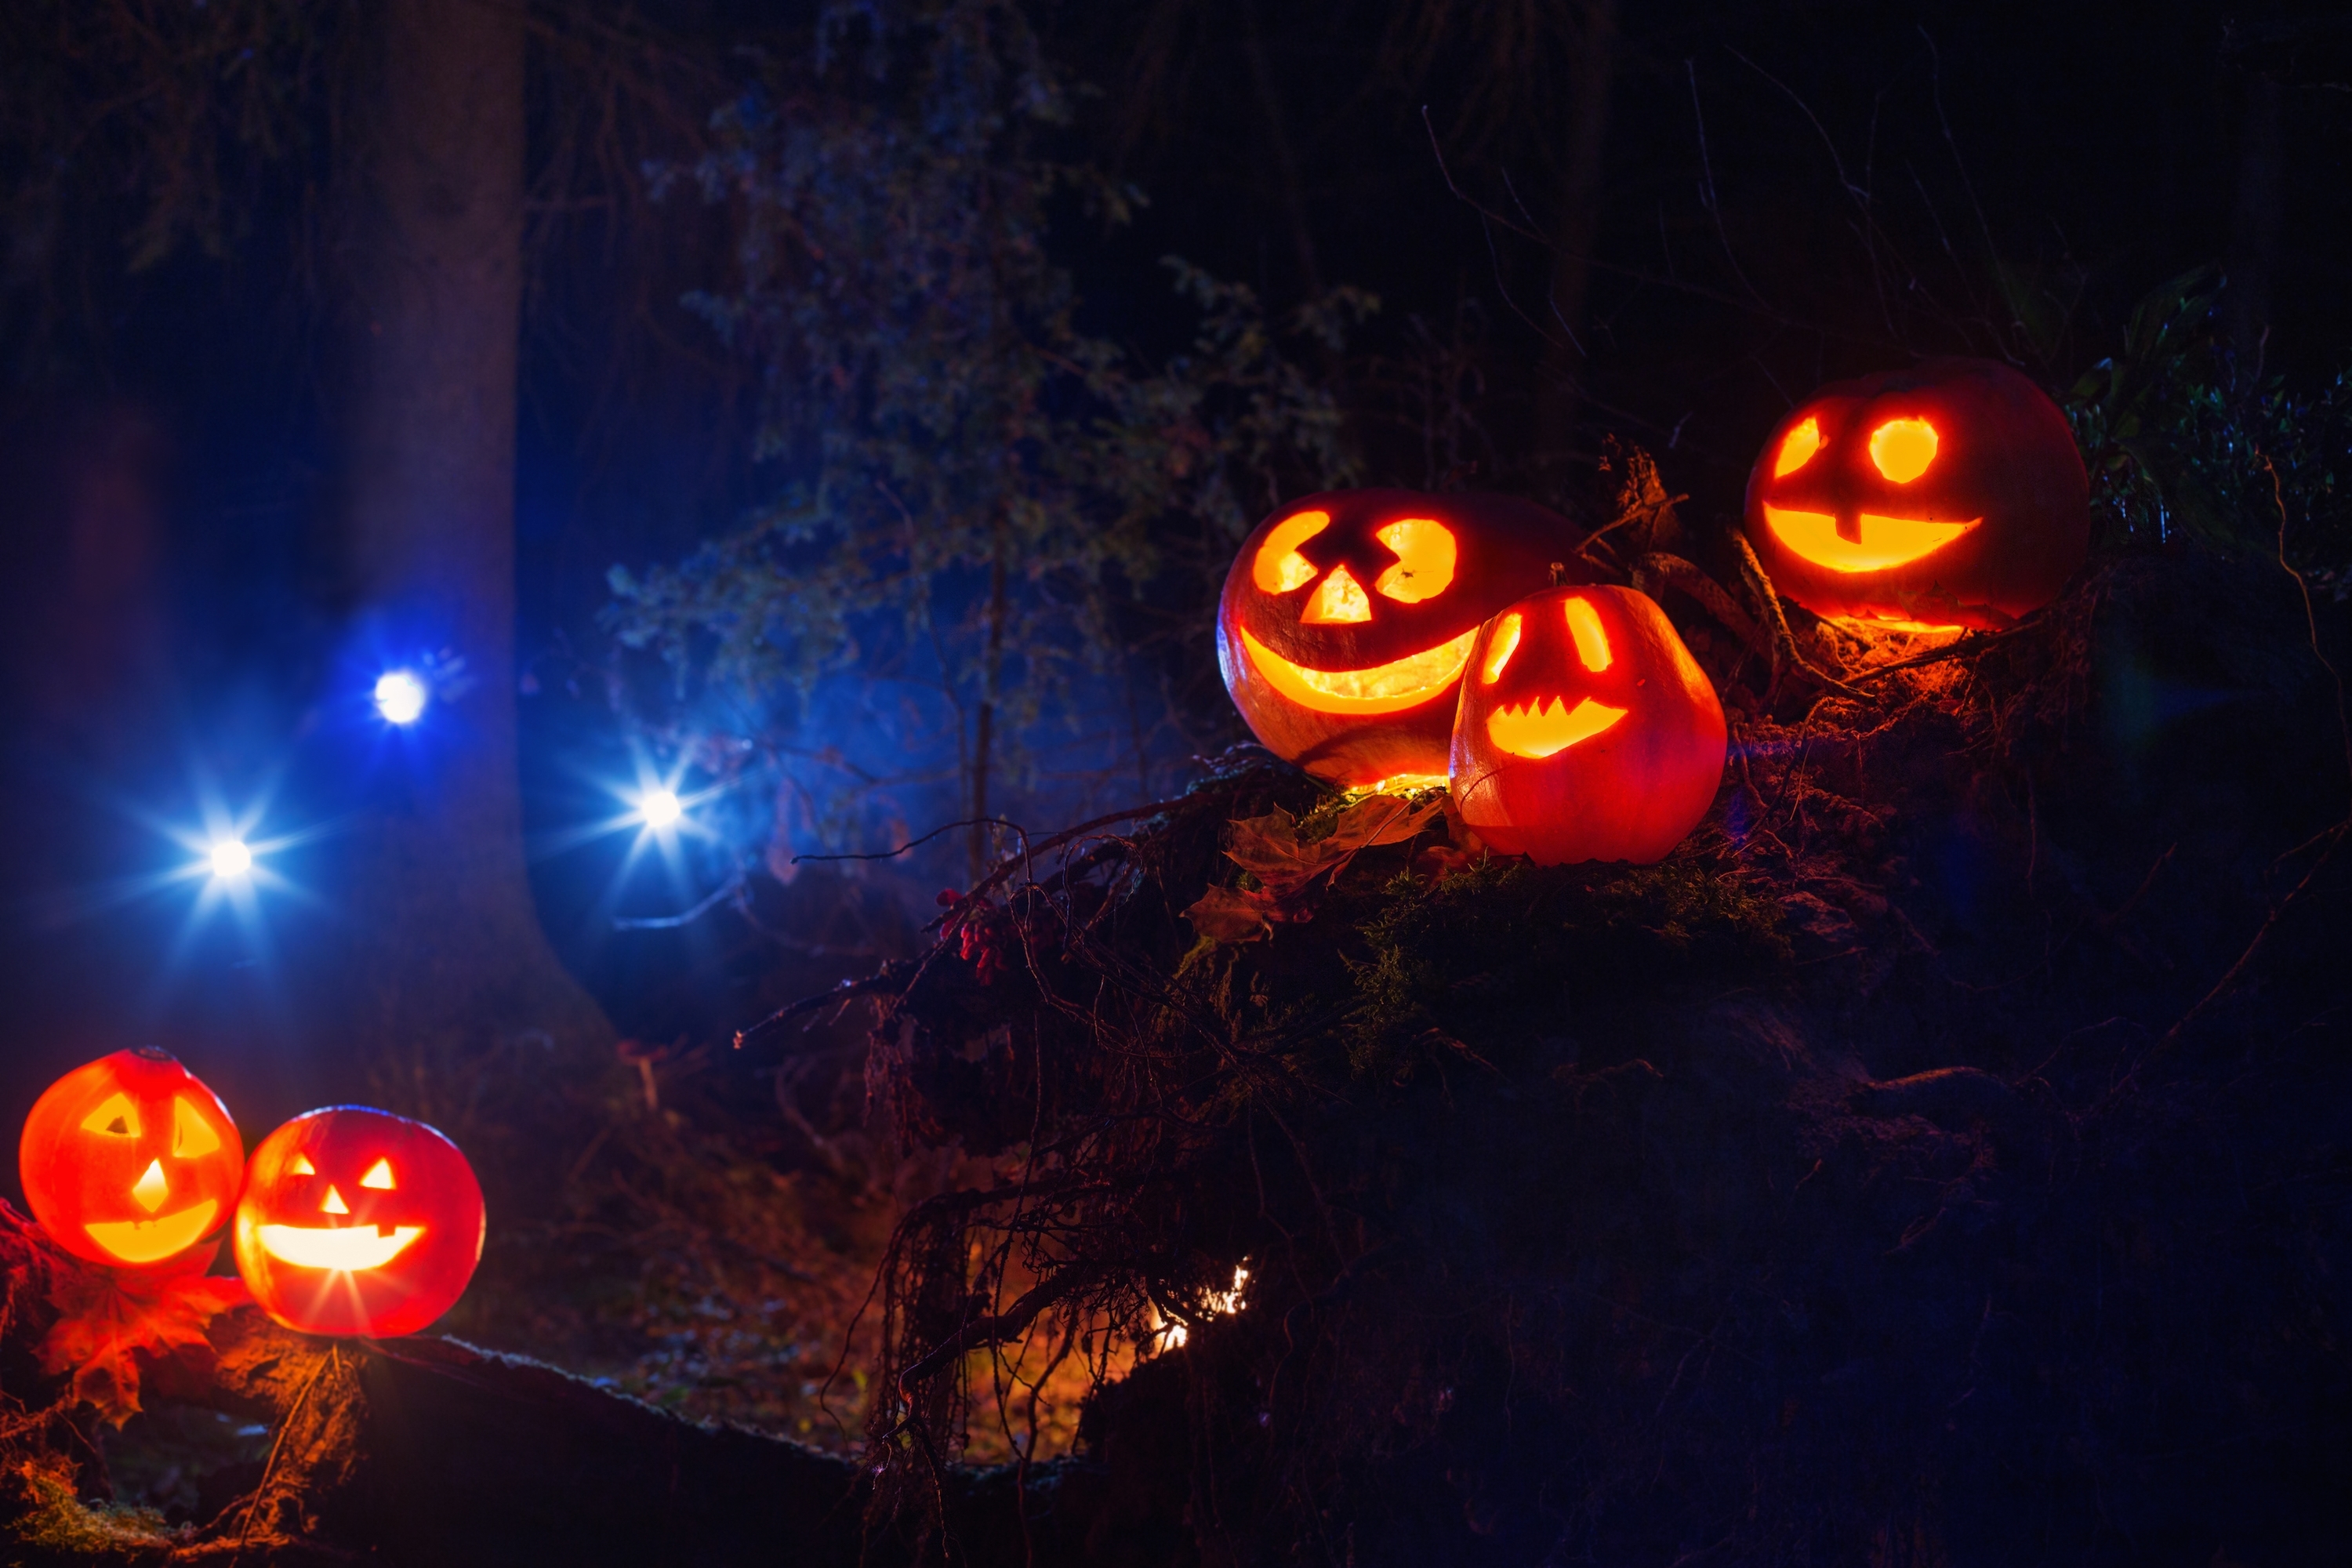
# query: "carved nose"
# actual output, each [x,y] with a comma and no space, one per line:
[152,1189]
[334,1201]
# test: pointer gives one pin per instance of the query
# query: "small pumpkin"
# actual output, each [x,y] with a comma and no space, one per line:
[1947,495]
[1586,731]
[355,1221]
[130,1161]
[1346,621]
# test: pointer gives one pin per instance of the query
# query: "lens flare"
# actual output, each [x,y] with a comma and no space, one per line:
[399,697]
[230,858]
[661,809]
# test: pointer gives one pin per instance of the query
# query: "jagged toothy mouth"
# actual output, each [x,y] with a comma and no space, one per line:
[1535,730]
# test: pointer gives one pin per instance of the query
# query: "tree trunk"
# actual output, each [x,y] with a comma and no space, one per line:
[450,949]
[1576,225]
[2253,230]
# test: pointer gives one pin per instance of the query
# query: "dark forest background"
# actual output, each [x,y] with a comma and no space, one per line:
[1423,243]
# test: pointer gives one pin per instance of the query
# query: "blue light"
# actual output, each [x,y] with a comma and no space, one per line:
[231,860]
[661,808]
[400,696]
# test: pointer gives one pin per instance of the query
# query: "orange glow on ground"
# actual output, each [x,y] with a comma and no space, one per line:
[1885,540]
[1425,557]
[1903,448]
[1797,448]
[1383,689]
[1591,642]
[1541,732]
[1867,627]
[1339,601]
[1405,783]
[1506,644]
[1279,568]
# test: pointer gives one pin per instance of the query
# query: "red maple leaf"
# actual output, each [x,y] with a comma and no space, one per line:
[108,1322]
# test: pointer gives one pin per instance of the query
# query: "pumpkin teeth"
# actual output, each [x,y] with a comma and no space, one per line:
[1879,542]
[1531,730]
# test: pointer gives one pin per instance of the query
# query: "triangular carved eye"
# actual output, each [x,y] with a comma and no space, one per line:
[299,1165]
[191,1136]
[118,1117]
[379,1176]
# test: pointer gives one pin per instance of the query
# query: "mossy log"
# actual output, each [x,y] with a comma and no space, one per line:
[430,1451]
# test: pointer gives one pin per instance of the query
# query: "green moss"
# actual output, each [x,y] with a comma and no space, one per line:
[1491,951]
[58,1527]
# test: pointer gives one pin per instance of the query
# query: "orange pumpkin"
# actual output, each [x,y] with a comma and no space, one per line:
[356,1221]
[1948,495]
[129,1160]
[1346,621]
[1586,731]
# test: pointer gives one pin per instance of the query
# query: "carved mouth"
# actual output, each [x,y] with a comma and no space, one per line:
[1880,542]
[347,1249]
[1386,687]
[1537,730]
[152,1240]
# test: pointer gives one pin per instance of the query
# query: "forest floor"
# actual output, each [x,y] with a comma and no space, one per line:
[1941,1157]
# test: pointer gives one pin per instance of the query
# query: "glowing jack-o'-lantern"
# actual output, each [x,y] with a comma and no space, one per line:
[129,1160]
[1346,621]
[1948,495]
[358,1222]
[1586,731]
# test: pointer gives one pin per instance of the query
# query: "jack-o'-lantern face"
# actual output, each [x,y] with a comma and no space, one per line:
[1346,621]
[1586,731]
[356,1221]
[129,1160]
[1947,496]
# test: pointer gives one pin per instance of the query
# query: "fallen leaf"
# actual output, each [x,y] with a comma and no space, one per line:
[1268,847]
[1230,914]
[107,1319]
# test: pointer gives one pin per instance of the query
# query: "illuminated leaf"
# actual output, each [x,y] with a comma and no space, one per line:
[107,1323]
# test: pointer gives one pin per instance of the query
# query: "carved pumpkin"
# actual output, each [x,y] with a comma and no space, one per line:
[358,1222]
[1947,495]
[1346,621]
[1586,731]
[129,1160]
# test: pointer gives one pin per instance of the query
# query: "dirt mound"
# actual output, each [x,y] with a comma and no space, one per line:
[1941,1157]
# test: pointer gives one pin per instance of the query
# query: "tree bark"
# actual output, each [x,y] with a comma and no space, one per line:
[1576,225]
[2255,230]
[450,949]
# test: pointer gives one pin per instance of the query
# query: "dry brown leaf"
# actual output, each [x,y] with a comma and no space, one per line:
[1268,847]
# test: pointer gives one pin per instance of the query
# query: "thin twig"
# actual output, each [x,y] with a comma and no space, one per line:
[334,1356]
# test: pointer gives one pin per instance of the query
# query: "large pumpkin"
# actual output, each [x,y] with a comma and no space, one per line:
[129,1160]
[1346,620]
[1586,731]
[356,1221]
[1943,495]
